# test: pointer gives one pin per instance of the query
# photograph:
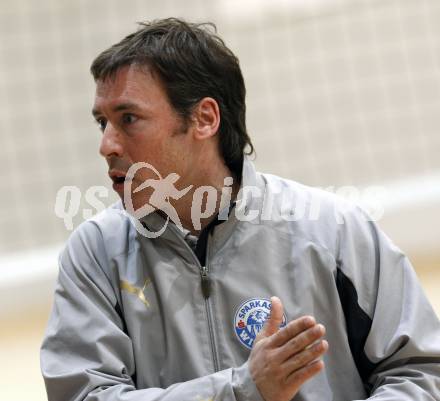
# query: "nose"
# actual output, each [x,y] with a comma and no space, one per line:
[111,142]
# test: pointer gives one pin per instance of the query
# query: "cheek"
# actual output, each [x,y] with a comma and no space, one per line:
[144,150]
[166,153]
[158,155]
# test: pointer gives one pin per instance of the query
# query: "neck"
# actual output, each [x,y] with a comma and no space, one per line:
[212,192]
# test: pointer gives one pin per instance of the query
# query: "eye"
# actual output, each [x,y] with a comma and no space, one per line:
[128,119]
[101,123]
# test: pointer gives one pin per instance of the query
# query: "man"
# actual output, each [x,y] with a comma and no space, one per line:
[233,299]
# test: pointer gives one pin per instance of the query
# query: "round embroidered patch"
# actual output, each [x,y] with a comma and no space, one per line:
[250,318]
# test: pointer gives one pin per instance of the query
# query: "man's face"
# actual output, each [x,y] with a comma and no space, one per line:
[139,125]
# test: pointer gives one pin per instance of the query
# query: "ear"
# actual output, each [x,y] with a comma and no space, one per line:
[206,118]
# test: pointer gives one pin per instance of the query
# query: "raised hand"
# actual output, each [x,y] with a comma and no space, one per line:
[282,360]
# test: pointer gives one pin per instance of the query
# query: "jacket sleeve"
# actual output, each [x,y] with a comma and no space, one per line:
[394,333]
[86,354]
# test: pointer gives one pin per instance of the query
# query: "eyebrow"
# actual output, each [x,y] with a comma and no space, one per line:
[119,107]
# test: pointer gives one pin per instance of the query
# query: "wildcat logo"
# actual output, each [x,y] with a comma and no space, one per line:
[250,318]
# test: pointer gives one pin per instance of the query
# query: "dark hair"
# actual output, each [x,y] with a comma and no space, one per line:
[192,62]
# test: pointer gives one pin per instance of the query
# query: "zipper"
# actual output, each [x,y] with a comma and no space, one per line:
[205,276]
[206,282]
[206,292]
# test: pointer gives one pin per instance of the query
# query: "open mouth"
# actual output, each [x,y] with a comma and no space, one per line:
[118,180]
[118,177]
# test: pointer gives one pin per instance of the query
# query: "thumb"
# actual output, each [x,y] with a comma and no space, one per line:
[272,324]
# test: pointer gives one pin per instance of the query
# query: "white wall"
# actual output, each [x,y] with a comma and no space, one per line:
[340,93]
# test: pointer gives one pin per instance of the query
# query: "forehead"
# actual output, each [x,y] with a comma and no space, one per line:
[130,84]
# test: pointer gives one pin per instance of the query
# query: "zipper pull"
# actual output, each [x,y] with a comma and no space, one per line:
[206,282]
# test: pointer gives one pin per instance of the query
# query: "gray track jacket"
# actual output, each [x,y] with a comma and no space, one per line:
[130,320]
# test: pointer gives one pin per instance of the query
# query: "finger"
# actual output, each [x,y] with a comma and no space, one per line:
[300,342]
[298,378]
[292,330]
[276,316]
[274,321]
[305,357]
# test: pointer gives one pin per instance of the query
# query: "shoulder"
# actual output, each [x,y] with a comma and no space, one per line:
[101,237]
[318,216]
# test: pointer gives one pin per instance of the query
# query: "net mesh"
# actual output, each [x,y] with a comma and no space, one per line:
[339,93]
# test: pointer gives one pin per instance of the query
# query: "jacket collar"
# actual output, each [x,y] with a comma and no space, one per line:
[246,199]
